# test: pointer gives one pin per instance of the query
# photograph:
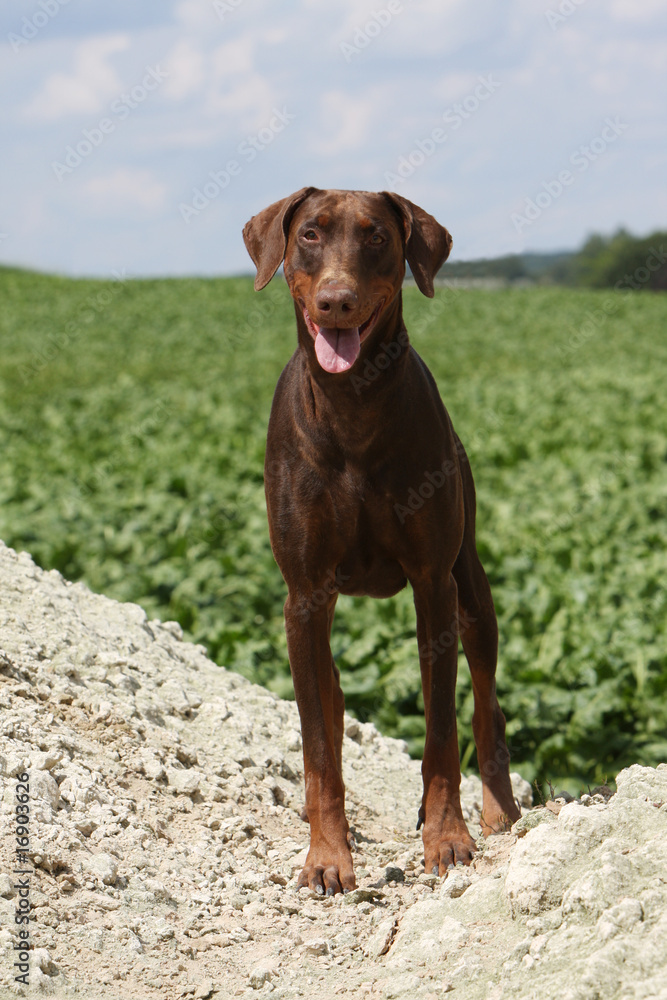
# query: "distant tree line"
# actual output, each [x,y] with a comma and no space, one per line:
[620,261]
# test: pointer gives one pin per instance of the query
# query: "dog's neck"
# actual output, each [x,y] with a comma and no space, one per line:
[353,405]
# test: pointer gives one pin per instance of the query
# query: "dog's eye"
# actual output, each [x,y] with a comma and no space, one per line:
[310,235]
[376,239]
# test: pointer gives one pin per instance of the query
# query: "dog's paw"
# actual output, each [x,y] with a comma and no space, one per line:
[449,847]
[327,872]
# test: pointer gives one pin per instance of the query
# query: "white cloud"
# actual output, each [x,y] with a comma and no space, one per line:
[277,35]
[185,66]
[345,120]
[93,82]
[226,82]
[196,14]
[233,58]
[453,86]
[640,11]
[237,87]
[424,28]
[125,190]
[249,100]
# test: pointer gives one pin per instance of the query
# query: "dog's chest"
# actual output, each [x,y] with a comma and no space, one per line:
[365,527]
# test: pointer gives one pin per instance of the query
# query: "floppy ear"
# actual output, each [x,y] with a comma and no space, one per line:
[427,243]
[265,236]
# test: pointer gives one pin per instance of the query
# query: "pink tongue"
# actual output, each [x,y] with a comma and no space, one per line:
[337,350]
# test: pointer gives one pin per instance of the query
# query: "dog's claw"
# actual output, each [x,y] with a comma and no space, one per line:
[420,822]
[330,891]
[319,890]
[434,870]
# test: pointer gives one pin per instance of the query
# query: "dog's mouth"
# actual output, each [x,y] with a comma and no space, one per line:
[337,348]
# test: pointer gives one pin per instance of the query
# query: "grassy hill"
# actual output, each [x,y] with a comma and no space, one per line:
[132,424]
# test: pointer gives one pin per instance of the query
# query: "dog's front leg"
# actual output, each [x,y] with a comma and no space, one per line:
[319,698]
[445,834]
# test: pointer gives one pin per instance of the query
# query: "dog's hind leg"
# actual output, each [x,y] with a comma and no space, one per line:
[478,630]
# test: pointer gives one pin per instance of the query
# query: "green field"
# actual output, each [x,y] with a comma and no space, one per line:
[133,417]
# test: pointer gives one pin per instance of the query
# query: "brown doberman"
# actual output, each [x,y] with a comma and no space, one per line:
[368,487]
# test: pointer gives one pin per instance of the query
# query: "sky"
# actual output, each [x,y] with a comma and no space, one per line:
[138,138]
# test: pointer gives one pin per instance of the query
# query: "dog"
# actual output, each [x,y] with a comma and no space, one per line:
[344,455]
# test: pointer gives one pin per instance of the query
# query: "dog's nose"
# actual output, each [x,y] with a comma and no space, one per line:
[336,301]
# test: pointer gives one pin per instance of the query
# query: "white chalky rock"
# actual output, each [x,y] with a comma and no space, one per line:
[102,866]
[186,781]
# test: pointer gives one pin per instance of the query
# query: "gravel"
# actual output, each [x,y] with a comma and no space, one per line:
[165,840]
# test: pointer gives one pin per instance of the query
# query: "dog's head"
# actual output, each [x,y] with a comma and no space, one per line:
[344,254]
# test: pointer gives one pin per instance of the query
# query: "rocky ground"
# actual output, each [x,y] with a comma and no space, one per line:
[165,840]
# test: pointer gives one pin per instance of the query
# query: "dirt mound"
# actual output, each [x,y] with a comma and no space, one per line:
[164,840]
